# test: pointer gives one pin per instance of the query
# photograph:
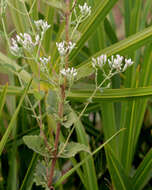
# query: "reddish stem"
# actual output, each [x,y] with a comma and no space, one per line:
[61,104]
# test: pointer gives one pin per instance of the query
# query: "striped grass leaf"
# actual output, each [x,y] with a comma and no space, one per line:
[11,124]
[133,117]
[55,4]
[119,178]
[109,125]
[28,179]
[3,97]
[116,95]
[143,172]
[123,47]
[88,167]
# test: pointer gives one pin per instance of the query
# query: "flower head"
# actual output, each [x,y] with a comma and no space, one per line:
[43,63]
[25,40]
[45,60]
[116,62]
[63,47]
[42,25]
[15,49]
[128,63]
[85,9]
[99,61]
[70,73]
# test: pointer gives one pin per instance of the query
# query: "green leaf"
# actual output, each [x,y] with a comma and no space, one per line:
[117,172]
[111,94]
[40,175]
[125,46]
[36,143]
[69,118]
[39,95]
[28,179]
[88,157]
[11,124]
[2,98]
[71,149]
[56,4]
[52,102]
[14,68]
[144,172]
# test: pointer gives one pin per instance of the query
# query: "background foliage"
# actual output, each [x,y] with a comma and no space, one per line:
[114,26]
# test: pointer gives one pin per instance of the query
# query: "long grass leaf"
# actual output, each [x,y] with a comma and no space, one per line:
[119,178]
[3,97]
[143,172]
[9,128]
[123,47]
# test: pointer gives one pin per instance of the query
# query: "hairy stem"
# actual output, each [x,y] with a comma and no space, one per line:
[61,103]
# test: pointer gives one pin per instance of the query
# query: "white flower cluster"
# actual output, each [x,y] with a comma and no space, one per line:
[117,62]
[43,63]
[63,48]
[45,60]
[100,61]
[25,40]
[128,63]
[42,25]
[15,49]
[69,73]
[85,10]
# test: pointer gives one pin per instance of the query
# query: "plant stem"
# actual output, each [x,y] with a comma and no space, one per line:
[61,103]
[84,109]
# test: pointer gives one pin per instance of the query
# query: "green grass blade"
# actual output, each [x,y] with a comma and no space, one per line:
[111,94]
[28,179]
[9,128]
[110,31]
[135,118]
[3,97]
[143,172]
[119,178]
[109,125]
[11,65]
[88,167]
[123,47]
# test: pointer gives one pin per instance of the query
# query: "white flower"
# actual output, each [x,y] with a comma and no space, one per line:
[116,63]
[128,63]
[45,60]
[25,40]
[99,61]
[69,73]
[15,49]
[43,64]
[71,46]
[63,48]
[42,25]
[85,9]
